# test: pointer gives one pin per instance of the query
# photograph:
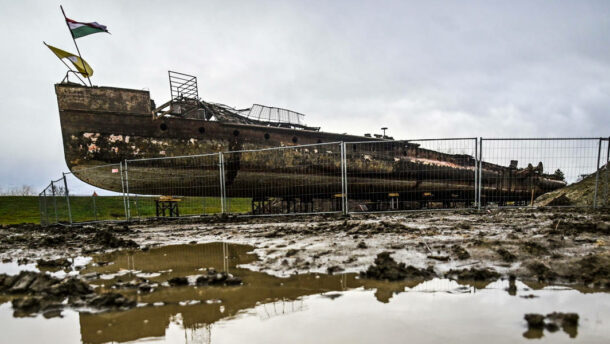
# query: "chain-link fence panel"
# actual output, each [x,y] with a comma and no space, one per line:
[345,177]
[90,199]
[45,202]
[173,186]
[541,172]
[284,180]
[411,175]
[54,202]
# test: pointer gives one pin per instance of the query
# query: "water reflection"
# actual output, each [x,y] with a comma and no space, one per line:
[316,308]
[198,306]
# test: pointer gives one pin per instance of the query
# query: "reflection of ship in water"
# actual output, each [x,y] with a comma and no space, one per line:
[196,308]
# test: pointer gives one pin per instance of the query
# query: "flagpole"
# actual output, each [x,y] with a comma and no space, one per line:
[74,40]
[69,69]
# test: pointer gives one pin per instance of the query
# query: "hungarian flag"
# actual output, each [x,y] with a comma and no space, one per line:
[79,29]
[81,65]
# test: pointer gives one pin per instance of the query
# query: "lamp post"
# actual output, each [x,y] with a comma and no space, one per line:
[384,129]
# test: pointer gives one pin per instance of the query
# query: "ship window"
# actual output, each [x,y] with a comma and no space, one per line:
[267,136]
[163,126]
[404,153]
[319,141]
[354,147]
[201,130]
[295,139]
[235,132]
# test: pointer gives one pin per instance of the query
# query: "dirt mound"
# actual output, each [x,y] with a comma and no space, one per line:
[39,292]
[217,278]
[592,269]
[460,252]
[107,239]
[386,268]
[54,263]
[580,193]
[541,271]
[473,274]
[506,255]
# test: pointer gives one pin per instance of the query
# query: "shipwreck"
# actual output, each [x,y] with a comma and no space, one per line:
[106,125]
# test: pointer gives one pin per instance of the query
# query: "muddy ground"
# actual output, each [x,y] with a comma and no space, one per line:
[547,245]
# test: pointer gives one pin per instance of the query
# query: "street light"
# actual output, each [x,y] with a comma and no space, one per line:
[384,129]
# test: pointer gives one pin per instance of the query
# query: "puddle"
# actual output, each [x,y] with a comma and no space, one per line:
[12,268]
[307,308]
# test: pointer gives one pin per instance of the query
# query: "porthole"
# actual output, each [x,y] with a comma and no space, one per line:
[163,126]
[319,141]
[201,130]
[235,132]
[404,153]
[295,139]
[267,136]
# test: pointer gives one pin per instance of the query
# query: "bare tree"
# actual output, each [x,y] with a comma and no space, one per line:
[23,190]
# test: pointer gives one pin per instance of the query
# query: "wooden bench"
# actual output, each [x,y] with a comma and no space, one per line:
[170,203]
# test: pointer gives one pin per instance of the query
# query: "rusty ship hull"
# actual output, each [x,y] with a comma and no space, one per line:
[107,125]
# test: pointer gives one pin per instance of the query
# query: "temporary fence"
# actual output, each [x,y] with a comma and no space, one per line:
[54,203]
[196,179]
[338,177]
[67,200]
[537,166]
[284,180]
[413,174]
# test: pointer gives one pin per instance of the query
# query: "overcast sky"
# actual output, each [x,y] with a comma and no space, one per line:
[424,69]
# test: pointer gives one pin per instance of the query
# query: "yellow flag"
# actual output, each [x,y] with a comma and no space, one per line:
[81,65]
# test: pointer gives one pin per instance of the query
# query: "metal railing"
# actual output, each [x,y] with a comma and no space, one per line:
[340,177]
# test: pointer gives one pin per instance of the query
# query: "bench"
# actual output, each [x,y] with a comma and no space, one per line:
[170,203]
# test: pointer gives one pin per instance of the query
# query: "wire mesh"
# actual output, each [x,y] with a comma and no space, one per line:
[409,175]
[173,186]
[520,172]
[54,203]
[95,203]
[284,180]
[47,211]
[342,176]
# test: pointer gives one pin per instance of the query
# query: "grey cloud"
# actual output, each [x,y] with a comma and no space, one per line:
[433,69]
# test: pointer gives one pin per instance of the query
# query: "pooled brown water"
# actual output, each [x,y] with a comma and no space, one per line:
[310,308]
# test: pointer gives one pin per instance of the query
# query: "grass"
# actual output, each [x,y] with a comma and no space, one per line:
[20,209]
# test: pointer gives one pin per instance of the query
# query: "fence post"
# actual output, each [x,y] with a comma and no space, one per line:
[344,204]
[123,189]
[46,207]
[607,173]
[127,191]
[480,171]
[67,193]
[599,153]
[54,201]
[40,208]
[476,171]
[94,208]
[223,195]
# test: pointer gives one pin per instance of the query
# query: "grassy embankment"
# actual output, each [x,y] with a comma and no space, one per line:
[20,209]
